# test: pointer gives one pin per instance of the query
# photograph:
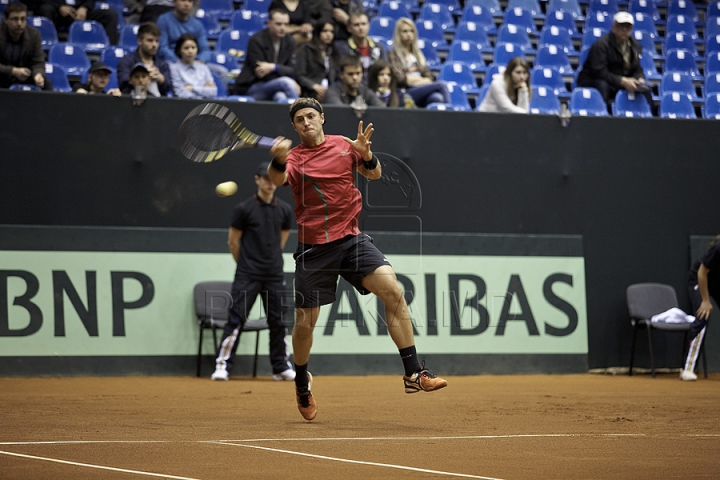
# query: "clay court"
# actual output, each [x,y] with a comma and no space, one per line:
[495,427]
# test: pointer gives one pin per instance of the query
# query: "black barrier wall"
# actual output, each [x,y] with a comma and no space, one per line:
[635,189]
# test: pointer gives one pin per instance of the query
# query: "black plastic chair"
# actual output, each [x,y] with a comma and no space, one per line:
[645,300]
[212,301]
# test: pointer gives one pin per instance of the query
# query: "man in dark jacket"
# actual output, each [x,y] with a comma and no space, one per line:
[614,62]
[269,71]
[65,12]
[148,39]
[21,55]
[349,90]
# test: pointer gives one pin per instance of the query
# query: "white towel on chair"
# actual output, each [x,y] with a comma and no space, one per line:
[674,315]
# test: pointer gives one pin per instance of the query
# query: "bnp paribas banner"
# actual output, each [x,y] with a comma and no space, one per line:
[116,292]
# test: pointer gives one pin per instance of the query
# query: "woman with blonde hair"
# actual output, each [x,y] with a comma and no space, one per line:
[510,91]
[410,67]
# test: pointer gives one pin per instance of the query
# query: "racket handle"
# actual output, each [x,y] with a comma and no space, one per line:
[266,142]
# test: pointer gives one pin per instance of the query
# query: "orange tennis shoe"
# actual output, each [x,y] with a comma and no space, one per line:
[306,401]
[423,381]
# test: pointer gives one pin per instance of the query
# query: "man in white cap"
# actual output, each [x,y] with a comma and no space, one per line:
[613,62]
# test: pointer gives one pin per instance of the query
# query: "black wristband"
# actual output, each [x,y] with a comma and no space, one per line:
[371,164]
[280,167]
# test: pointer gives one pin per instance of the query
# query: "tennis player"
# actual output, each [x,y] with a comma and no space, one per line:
[327,204]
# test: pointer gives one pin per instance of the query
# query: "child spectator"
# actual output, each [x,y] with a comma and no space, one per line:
[98,79]
[383,83]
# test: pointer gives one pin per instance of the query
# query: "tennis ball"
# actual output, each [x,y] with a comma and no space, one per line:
[226,189]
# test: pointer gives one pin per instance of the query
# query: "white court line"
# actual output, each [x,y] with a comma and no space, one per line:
[100,467]
[375,464]
[454,437]
[71,442]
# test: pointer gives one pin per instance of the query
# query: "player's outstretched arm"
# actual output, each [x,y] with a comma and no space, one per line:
[371,167]
[279,152]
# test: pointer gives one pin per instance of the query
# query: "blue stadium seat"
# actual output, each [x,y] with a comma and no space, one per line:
[222,91]
[211,22]
[515,35]
[89,35]
[72,58]
[647,41]
[458,98]
[549,78]
[676,105]
[232,39]
[480,16]
[246,21]
[25,87]
[682,24]
[459,73]
[48,33]
[472,32]
[452,5]
[559,37]
[649,68]
[520,18]
[600,21]
[561,19]
[58,77]
[439,14]
[591,36]
[682,41]
[492,70]
[112,56]
[240,98]
[493,6]
[230,62]
[712,63]
[128,37]
[382,28]
[481,95]
[713,10]
[712,106]
[544,101]
[505,52]
[432,58]
[607,7]
[469,53]
[222,9]
[678,82]
[432,33]
[712,83]
[712,27]
[712,44]
[587,102]
[532,6]
[550,56]
[682,61]
[257,6]
[644,6]
[393,9]
[683,7]
[571,7]
[630,105]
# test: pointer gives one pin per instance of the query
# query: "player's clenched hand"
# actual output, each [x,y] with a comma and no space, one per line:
[280,150]
[362,143]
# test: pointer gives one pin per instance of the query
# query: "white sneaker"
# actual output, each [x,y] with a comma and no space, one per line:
[288,375]
[220,375]
[687,375]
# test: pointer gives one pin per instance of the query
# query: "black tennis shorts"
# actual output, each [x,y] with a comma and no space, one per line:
[317,268]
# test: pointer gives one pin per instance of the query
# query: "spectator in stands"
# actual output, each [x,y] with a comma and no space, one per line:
[341,10]
[703,284]
[321,11]
[360,44]
[299,12]
[152,9]
[510,91]
[148,39]
[98,79]
[178,22]
[65,12]
[382,82]
[22,59]
[350,90]
[317,62]
[269,71]
[613,62]
[139,79]
[191,79]
[411,68]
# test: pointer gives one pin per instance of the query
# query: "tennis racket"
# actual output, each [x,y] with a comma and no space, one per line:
[210,131]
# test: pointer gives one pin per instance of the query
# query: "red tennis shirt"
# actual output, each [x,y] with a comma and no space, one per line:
[327,202]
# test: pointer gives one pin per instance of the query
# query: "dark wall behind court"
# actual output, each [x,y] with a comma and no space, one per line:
[635,189]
